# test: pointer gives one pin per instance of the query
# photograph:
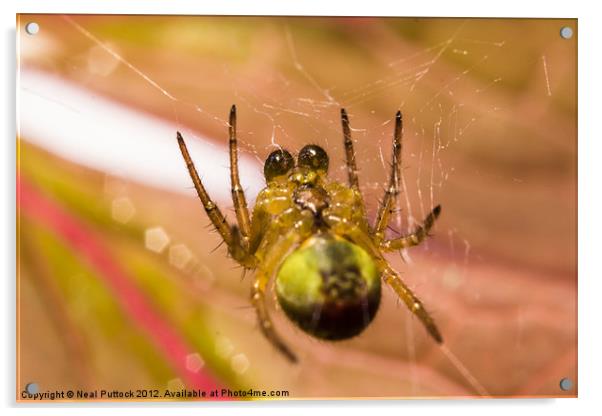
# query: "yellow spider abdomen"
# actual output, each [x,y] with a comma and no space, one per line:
[329,287]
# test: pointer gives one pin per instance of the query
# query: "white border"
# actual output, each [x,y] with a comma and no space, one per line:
[590,139]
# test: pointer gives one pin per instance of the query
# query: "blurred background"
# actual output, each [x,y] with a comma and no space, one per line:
[122,285]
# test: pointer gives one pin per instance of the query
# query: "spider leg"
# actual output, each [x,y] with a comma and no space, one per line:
[238,194]
[212,210]
[349,152]
[258,292]
[390,277]
[230,234]
[352,166]
[412,302]
[414,238]
[390,198]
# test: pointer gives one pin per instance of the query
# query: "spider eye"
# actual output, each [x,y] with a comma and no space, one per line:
[313,157]
[278,163]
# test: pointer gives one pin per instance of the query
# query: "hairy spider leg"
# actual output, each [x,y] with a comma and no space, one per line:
[414,304]
[212,210]
[414,238]
[390,277]
[273,257]
[238,194]
[354,182]
[349,152]
[389,201]
[230,234]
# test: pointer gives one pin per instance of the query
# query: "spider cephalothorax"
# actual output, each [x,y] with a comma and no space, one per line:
[313,235]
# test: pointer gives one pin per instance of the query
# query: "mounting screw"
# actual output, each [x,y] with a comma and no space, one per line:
[566,384]
[32,388]
[566,32]
[32,28]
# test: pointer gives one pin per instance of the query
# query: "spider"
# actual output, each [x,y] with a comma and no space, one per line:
[313,234]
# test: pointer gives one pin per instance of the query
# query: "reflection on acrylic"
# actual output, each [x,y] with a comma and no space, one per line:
[122,285]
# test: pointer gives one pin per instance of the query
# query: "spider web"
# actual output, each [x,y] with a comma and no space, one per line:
[291,94]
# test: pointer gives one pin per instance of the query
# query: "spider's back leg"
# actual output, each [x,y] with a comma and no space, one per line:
[415,237]
[412,302]
[276,248]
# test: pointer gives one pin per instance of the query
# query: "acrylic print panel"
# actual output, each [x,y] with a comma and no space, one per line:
[125,292]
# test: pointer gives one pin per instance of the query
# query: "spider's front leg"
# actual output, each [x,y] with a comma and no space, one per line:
[350,162]
[237,244]
[238,194]
[389,201]
[213,212]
